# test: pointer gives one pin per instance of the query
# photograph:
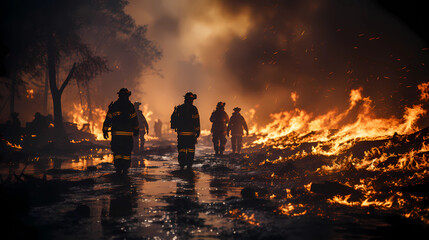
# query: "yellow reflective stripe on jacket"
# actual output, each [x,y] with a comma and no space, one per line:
[122,133]
[133,115]
[125,157]
[109,115]
[186,133]
[195,116]
[116,113]
[187,150]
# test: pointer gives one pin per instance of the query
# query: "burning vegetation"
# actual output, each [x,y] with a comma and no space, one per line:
[348,158]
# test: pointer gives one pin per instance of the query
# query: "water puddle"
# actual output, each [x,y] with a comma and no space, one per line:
[155,200]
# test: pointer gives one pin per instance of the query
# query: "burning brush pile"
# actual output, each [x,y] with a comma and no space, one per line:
[368,164]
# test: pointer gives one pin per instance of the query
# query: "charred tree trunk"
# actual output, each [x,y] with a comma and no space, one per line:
[56,92]
[56,96]
[45,94]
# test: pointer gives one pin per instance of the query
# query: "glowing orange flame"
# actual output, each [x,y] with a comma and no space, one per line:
[79,117]
[424,91]
[291,210]
[244,217]
[318,129]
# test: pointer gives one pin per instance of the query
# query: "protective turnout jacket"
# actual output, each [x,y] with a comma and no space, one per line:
[142,122]
[186,120]
[121,118]
[237,124]
[220,119]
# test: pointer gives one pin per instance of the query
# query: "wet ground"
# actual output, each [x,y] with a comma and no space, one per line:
[155,200]
[218,199]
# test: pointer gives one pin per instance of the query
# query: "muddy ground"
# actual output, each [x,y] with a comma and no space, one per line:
[78,196]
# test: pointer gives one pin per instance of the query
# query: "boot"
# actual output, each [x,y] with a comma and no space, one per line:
[216,148]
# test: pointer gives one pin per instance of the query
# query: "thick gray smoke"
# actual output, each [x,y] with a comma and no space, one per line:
[254,54]
[322,49]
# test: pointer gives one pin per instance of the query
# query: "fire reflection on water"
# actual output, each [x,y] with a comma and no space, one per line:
[147,202]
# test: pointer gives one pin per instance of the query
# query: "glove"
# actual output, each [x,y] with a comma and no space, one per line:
[105,134]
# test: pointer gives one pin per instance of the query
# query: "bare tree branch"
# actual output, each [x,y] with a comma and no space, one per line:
[69,76]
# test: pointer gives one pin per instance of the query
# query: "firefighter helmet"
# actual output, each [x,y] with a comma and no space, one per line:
[124,91]
[137,104]
[220,104]
[237,109]
[190,95]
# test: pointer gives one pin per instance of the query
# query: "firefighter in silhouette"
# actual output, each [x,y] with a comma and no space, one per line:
[220,119]
[235,126]
[185,120]
[143,129]
[122,121]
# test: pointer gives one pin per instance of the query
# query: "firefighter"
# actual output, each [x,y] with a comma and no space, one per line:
[122,121]
[185,120]
[236,125]
[143,129]
[220,119]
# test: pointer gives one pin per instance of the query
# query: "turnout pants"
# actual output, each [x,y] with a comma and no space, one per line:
[186,148]
[236,143]
[122,146]
[219,141]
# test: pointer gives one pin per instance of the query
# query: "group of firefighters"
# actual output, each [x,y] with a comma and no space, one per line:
[128,126]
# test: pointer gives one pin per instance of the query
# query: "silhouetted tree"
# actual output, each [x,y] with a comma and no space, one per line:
[56,35]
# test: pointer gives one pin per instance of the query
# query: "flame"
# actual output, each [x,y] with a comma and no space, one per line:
[291,210]
[424,91]
[392,153]
[13,146]
[250,118]
[244,217]
[297,126]
[30,94]
[344,200]
[79,117]
[294,96]
[147,113]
